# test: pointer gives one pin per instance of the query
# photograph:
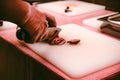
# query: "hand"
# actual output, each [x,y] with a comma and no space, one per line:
[34,26]
[39,27]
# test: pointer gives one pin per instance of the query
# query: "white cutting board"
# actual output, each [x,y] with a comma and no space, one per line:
[7,25]
[76,7]
[93,53]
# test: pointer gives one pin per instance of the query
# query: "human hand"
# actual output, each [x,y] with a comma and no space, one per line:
[37,27]
[34,26]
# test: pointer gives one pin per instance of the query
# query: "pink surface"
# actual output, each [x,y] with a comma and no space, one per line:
[9,36]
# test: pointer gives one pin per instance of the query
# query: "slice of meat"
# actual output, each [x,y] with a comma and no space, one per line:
[73,41]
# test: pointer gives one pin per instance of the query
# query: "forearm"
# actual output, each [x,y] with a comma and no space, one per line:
[13,10]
